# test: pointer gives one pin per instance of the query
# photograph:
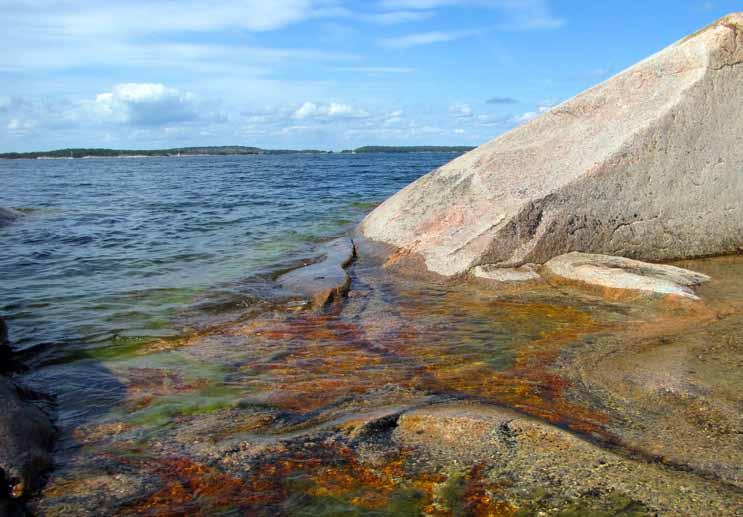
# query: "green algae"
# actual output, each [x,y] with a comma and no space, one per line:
[166,409]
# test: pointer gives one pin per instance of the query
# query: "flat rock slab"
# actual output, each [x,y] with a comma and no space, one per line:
[620,275]
[26,436]
[552,464]
[326,281]
[494,273]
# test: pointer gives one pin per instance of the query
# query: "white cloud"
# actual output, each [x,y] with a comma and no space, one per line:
[423,38]
[333,110]
[518,14]
[20,127]
[396,17]
[375,70]
[77,17]
[144,104]
[461,110]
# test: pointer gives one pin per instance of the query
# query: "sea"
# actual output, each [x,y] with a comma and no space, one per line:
[111,250]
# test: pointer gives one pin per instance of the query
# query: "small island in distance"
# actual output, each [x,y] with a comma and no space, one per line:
[218,151]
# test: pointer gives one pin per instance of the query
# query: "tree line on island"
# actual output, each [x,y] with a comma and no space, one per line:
[227,150]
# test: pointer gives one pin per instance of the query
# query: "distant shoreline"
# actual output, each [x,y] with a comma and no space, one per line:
[82,153]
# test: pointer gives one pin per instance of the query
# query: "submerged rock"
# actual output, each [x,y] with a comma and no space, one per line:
[8,215]
[26,435]
[617,275]
[646,165]
[326,281]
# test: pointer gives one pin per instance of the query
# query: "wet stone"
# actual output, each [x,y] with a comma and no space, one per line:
[623,276]
[326,281]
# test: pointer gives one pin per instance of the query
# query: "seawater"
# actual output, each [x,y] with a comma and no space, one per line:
[111,250]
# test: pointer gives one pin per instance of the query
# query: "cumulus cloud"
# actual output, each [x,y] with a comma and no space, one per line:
[333,110]
[145,104]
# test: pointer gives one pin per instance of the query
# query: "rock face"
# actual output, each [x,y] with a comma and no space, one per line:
[326,281]
[618,274]
[26,435]
[646,165]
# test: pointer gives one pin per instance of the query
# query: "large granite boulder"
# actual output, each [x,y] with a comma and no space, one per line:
[647,165]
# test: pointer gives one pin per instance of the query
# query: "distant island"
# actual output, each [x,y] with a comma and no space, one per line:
[225,150]
[411,149]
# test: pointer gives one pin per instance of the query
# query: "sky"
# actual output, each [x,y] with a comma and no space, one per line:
[321,74]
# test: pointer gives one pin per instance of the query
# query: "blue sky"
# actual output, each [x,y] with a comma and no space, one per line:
[329,74]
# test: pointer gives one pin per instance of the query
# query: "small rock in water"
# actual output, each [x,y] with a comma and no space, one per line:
[326,281]
[622,274]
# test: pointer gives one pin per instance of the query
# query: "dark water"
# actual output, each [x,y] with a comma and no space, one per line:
[111,249]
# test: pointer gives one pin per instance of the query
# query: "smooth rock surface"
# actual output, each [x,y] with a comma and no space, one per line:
[326,281]
[26,435]
[622,274]
[505,274]
[646,165]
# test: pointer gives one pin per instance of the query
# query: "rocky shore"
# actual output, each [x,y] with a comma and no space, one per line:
[401,401]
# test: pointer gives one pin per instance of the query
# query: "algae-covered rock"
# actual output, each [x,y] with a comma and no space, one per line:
[539,467]
[647,165]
